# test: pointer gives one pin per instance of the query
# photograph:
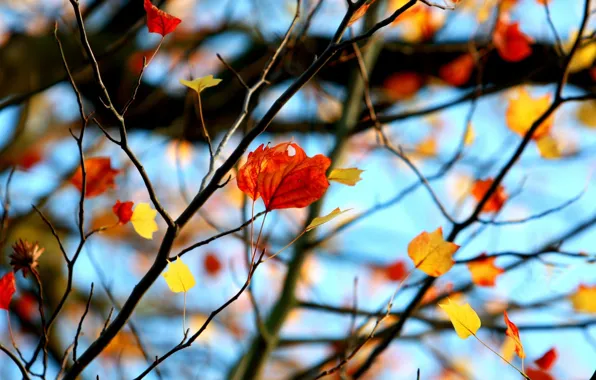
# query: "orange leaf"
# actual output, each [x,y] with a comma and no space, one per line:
[523,110]
[584,299]
[458,71]
[546,361]
[396,271]
[123,211]
[496,200]
[159,21]
[513,332]
[484,271]
[7,289]
[284,176]
[536,374]
[99,176]
[511,43]
[431,253]
[212,264]
[403,85]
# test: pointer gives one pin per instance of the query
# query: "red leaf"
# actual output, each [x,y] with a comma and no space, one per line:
[513,332]
[403,85]
[396,271]
[99,176]
[159,21]
[123,211]
[212,264]
[593,73]
[511,43]
[536,374]
[7,289]
[283,179]
[547,360]
[458,71]
[496,201]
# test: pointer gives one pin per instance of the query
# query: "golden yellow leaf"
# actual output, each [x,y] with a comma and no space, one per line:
[431,253]
[143,220]
[465,320]
[586,113]
[350,176]
[427,147]
[523,110]
[584,55]
[484,272]
[584,299]
[324,219]
[178,277]
[548,148]
[201,83]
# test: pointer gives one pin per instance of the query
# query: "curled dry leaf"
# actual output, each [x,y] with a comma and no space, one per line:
[284,176]
[24,256]
[513,333]
[159,21]
[99,176]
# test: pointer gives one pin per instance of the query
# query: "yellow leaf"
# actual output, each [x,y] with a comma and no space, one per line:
[584,299]
[465,320]
[470,136]
[586,113]
[548,147]
[324,219]
[584,55]
[348,177]
[143,220]
[431,253]
[523,110]
[178,277]
[201,83]
[427,147]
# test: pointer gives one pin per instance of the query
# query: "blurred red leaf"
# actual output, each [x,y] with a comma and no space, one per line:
[496,201]
[123,211]
[511,43]
[7,289]
[212,264]
[159,21]
[283,179]
[513,332]
[403,85]
[458,71]
[396,271]
[593,73]
[547,360]
[536,374]
[99,176]
[484,271]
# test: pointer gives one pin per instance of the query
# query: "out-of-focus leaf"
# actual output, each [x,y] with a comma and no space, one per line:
[99,176]
[484,271]
[584,299]
[496,200]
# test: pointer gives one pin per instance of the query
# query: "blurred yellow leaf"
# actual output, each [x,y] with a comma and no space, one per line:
[143,220]
[586,113]
[178,277]
[350,176]
[465,320]
[508,348]
[324,219]
[201,83]
[523,110]
[548,148]
[584,299]
[431,253]
[470,136]
[584,56]
[427,147]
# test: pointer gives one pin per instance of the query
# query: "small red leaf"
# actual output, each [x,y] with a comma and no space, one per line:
[511,43]
[123,211]
[7,289]
[547,360]
[99,176]
[403,85]
[536,374]
[159,21]
[495,201]
[458,71]
[396,271]
[212,264]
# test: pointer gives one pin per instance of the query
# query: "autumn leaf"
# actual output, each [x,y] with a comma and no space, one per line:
[547,361]
[465,320]
[511,43]
[584,55]
[431,253]
[427,147]
[403,85]
[360,12]
[179,277]
[212,264]
[458,71]
[586,113]
[100,176]
[159,21]
[548,148]
[284,176]
[7,289]
[484,271]
[324,219]
[143,220]
[396,271]
[513,333]
[469,136]
[201,83]
[123,211]
[495,201]
[350,176]
[523,110]
[537,374]
[584,299]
